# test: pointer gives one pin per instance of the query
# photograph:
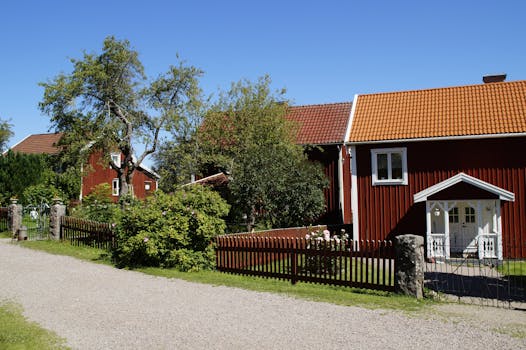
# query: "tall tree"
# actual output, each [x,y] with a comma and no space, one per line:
[5,134]
[247,135]
[107,104]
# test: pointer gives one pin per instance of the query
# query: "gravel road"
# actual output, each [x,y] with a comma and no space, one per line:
[100,307]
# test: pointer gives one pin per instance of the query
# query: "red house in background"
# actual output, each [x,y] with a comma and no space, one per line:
[444,163]
[144,179]
[325,126]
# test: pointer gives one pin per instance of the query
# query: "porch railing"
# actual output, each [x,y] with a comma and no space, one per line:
[436,245]
[487,245]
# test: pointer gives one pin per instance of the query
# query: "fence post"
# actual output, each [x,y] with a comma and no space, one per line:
[409,265]
[294,260]
[57,211]
[14,217]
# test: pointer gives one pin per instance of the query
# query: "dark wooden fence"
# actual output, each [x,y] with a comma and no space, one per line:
[364,264]
[86,232]
[3,219]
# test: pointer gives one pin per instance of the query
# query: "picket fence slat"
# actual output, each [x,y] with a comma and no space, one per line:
[365,264]
[86,232]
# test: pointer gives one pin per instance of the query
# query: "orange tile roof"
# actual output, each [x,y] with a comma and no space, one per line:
[321,124]
[495,108]
[38,144]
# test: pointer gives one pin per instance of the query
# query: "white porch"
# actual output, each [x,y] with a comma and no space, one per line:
[465,227]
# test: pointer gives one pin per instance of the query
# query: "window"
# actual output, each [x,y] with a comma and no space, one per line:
[389,166]
[147,185]
[115,187]
[116,158]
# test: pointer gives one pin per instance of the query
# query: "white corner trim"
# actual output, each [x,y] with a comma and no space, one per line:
[340,180]
[354,195]
[462,177]
[351,118]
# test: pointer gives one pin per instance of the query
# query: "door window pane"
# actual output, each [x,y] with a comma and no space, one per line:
[469,214]
[453,216]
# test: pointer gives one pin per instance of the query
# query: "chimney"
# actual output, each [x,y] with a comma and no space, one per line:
[497,78]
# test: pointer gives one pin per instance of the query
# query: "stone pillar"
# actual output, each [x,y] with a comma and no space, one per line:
[14,217]
[57,211]
[409,265]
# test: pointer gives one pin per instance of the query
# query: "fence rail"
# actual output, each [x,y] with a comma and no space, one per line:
[86,232]
[364,264]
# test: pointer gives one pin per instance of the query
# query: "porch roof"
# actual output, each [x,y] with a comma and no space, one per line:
[462,177]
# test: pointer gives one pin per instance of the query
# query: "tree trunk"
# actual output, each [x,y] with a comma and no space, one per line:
[251,219]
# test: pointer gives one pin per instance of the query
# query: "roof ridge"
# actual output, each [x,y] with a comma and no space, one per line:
[323,104]
[443,88]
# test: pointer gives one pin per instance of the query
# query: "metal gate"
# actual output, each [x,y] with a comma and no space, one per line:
[470,280]
[36,219]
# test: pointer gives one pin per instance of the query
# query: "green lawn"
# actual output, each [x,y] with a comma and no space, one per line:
[16,332]
[330,294]
[513,268]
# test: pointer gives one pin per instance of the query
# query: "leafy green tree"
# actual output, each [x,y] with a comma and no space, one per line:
[107,104]
[5,134]
[247,135]
[35,177]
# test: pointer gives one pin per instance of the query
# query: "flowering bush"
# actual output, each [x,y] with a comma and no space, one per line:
[323,241]
[171,230]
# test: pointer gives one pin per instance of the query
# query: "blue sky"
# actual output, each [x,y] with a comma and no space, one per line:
[320,51]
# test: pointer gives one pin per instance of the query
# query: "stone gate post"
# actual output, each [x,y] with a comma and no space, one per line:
[409,265]
[58,210]
[14,216]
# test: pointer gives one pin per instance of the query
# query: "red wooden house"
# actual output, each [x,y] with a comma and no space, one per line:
[324,126]
[444,163]
[144,179]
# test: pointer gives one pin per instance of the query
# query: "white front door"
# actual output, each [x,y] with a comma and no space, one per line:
[463,228]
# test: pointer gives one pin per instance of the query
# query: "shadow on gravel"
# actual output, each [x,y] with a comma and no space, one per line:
[511,288]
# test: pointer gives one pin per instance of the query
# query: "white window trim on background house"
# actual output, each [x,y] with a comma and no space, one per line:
[374,166]
[116,158]
[115,187]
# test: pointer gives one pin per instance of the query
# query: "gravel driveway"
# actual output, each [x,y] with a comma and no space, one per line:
[99,307]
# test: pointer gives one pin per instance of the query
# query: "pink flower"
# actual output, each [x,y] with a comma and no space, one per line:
[113,225]
[307,236]
[146,239]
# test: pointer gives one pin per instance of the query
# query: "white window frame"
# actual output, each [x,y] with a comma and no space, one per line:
[115,187]
[116,158]
[389,180]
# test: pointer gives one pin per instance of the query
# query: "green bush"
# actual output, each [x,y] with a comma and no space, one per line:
[171,230]
[98,206]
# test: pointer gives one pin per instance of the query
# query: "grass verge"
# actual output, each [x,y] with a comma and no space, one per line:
[100,256]
[5,234]
[315,292]
[16,332]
